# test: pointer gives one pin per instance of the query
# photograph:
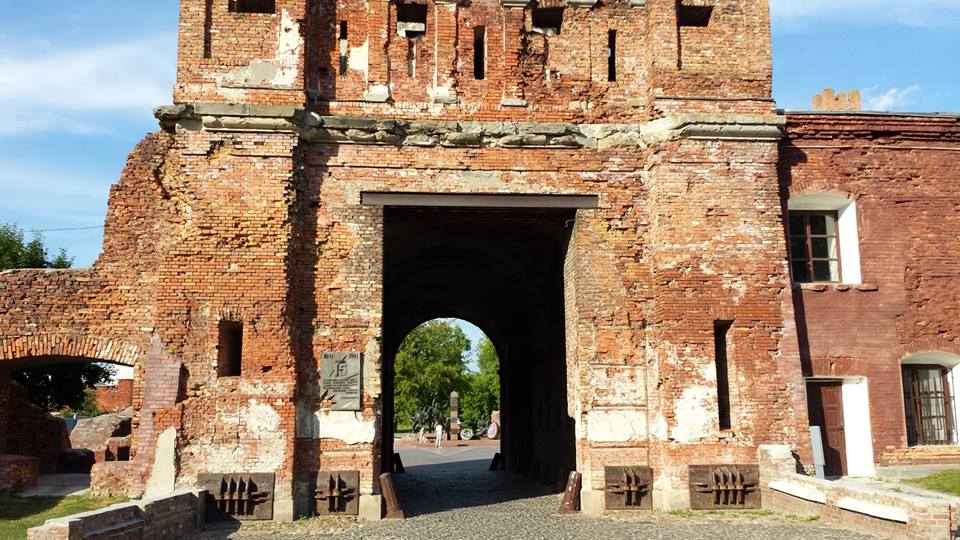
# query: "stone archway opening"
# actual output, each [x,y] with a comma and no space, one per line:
[502,269]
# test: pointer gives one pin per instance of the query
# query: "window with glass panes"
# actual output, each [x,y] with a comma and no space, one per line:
[814,247]
[928,405]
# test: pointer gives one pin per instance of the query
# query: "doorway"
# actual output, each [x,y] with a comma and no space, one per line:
[825,406]
[501,268]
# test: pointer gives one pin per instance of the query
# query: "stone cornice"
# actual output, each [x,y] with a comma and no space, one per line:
[447,133]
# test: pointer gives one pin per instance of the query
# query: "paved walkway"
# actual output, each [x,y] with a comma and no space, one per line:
[59,485]
[450,494]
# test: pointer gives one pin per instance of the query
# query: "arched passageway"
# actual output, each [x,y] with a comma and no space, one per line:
[502,269]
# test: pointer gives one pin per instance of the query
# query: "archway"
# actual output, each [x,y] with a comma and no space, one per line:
[45,381]
[503,270]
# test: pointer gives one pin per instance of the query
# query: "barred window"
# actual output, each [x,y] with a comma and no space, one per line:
[928,404]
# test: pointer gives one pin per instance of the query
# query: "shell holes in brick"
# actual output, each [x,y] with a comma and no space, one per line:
[253,6]
[547,20]
[229,349]
[694,15]
[411,20]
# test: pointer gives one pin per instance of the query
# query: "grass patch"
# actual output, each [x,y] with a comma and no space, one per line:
[682,513]
[19,514]
[944,482]
[794,517]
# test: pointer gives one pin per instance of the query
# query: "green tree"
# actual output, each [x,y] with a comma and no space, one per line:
[429,365]
[17,252]
[63,386]
[59,386]
[482,395]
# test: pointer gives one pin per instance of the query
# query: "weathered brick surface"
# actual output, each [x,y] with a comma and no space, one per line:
[901,171]
[33,431]
[244,211]
[176,516]
[114,397]
[18,472]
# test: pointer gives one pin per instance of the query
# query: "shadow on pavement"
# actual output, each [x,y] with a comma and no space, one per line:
[434,488]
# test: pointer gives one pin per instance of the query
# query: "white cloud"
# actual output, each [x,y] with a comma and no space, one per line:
[893,99]
[913,13]
[70,89]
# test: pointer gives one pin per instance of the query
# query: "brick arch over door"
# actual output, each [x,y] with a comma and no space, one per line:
[110,350]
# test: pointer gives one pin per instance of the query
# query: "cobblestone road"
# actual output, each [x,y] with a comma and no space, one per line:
[455,497]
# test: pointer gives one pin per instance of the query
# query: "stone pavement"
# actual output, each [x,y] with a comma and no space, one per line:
[450,494]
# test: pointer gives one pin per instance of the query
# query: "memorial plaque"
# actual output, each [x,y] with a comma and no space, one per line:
[340,380]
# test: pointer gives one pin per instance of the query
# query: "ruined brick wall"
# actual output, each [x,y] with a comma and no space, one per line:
[717,256]
[293,56]
[901,172]
[32,431]
[114,397]
[18,472]
[246,209]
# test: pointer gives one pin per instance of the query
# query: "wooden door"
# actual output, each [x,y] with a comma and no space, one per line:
[825,407]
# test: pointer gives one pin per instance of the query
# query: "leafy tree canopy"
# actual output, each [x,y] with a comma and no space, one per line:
[58,386]
[429,365]
[62,386]
[17,252]
[482,395]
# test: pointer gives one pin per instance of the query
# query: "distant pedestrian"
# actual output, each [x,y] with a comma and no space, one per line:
[439,433]
[422,438]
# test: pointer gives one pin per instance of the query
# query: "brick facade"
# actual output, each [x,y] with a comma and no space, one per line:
[247,207]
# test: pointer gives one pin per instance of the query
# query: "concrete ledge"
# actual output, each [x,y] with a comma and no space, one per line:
[803,492]
[450,133]
[882,511]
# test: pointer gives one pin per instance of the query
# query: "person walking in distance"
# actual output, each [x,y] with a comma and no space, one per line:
[439,429]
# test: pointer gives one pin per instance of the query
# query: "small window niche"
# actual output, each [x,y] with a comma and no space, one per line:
[344,45]
[721,329]
[229,349]
[696,16]
[547,20]
[612,55]
[411,20]
[253,6]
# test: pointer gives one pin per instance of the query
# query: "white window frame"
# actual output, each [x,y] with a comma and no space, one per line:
[847,229]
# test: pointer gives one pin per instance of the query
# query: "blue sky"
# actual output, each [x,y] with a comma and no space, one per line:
[78,82]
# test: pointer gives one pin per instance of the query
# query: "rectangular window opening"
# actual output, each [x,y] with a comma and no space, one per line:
[694,15]
[208,29]
[547,20]
[252,6]
[814,247]
[411,20]
[343,47]
[720,331]
[411,58]
[612,55]
[480,53]
[229,349]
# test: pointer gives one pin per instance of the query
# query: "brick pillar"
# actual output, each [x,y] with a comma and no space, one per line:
[161,387]
[378,68]
[664,35]
[445,35]
[513,17]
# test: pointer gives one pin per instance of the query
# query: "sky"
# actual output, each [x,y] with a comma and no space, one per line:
[79,81]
